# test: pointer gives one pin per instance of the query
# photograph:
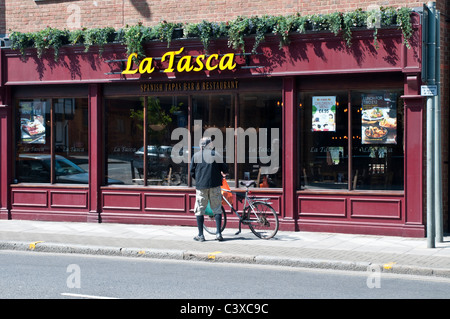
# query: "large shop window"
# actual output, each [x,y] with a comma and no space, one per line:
[136,122]
[351,140]
[245,129]
[212,115]
[52,141]
[260,118]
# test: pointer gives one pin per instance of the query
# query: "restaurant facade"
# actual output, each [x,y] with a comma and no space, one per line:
[333,134]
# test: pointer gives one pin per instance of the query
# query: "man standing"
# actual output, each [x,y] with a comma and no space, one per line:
[208,168]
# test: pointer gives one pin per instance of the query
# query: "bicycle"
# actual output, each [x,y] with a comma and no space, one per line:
[257,214]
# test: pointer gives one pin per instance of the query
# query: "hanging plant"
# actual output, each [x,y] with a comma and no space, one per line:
[354,19]
[373,20]
[21,41]
[134,38]
[50,38]
[404,23]
[284,25]
[239,28]
[260,27]
[164,31]
[99,37]
[77,36]
[300,23]
[235,31]
[334,22]
[205,31]
[388,16]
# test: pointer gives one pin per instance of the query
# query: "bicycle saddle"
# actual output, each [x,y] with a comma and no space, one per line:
[248,183]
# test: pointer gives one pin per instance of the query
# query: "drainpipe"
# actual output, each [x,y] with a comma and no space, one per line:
[431,65]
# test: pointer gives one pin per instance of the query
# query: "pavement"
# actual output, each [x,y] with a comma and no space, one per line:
[351,252]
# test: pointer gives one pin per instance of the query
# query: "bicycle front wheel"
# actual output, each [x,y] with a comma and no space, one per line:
[209,223]
[262,220]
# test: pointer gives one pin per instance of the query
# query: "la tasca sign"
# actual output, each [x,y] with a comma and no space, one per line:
[186,63]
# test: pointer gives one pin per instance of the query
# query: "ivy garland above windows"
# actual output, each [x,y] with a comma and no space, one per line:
[236,31]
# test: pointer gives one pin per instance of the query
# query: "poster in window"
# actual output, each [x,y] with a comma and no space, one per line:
[324,113]
[32,122]
[379,118]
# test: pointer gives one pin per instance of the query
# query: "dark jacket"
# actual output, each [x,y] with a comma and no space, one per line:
[206,168]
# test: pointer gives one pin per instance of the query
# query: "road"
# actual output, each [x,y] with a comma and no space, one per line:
[33,275]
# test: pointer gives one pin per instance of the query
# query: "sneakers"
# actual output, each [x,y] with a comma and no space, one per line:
[202,238]
[199,238]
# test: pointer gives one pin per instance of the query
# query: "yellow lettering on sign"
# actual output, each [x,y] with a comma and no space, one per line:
[171,55]
[185,64]
[146,66]
[130,64]
[230,65]
[208,62]
[199,62]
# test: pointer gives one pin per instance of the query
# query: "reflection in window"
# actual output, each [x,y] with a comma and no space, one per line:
[377,138]
[165,167]
[33,140]
[260,118]
[323,141]
[71,140]
[211,116]
[125,143]
[124,140]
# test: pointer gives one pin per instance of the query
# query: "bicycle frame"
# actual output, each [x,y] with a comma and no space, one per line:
[250,205]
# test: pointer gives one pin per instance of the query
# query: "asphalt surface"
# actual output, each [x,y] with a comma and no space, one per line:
[293,249]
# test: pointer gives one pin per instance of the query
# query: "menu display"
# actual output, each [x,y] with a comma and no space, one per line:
[32,122]
[379,118]
[324,113]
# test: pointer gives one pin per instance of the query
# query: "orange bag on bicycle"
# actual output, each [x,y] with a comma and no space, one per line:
[226,192]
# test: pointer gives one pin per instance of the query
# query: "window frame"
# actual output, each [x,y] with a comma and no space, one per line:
[350,90]
[52,139]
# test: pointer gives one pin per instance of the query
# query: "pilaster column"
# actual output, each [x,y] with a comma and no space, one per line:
[95,152]
[289,153]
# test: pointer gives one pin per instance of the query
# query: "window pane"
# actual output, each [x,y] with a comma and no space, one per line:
[124,140]
[212,115]
[165,114]
[377,129]
[71,140]
[33,141]
[260,118]
[323,140]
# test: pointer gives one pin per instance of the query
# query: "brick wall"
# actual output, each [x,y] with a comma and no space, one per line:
[31,16]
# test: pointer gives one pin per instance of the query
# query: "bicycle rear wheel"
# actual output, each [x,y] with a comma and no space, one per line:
[262,220]
[210,223]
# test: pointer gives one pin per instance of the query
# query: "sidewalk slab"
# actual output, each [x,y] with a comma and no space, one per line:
[293,249]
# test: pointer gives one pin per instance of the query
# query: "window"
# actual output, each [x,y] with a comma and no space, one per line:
[212,115]
[165,114]
[126,140]
[353,146]
[377,140]
[260,118]
[323,142]
[245,130]
[35,140]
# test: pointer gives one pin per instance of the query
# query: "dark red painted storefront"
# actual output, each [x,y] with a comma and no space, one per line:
[310,62]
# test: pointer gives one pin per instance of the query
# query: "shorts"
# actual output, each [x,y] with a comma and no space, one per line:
[213,195]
